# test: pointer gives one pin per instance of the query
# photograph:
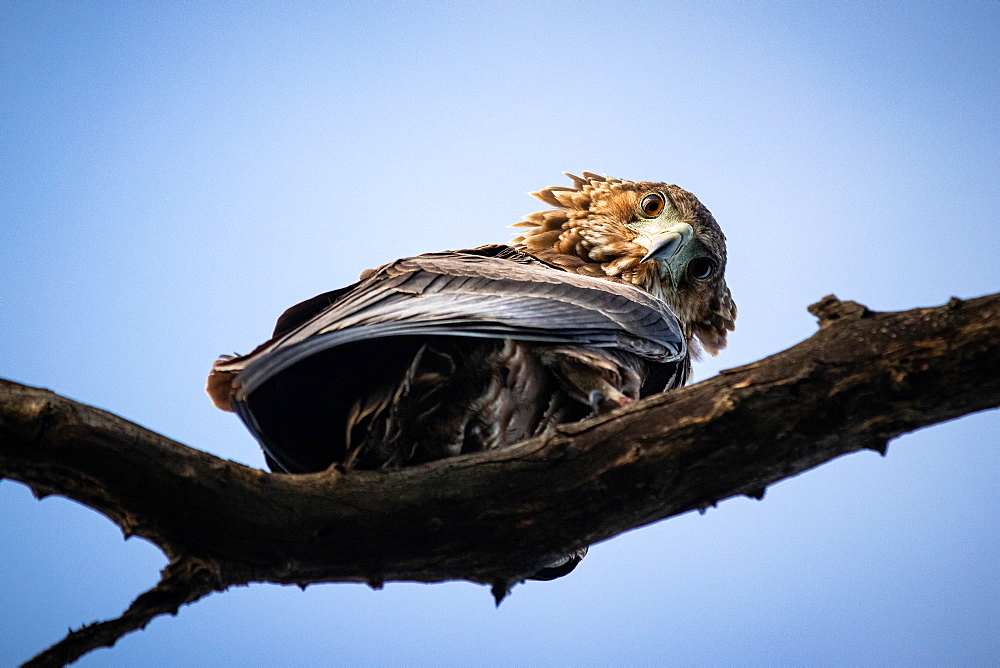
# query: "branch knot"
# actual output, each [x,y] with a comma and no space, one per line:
[830,309]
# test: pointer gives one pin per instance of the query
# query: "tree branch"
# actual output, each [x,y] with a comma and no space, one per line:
[182,581]
[861,380]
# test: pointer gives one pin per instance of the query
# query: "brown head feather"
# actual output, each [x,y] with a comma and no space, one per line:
[598,229]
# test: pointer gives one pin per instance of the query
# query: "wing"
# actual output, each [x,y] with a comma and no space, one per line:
[376,327]
[493,293]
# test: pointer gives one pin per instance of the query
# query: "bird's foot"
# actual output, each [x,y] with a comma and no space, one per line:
[607,399]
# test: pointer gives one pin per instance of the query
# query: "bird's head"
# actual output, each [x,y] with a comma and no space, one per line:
[654,235]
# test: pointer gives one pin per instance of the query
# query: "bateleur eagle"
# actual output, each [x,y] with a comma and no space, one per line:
[596,303]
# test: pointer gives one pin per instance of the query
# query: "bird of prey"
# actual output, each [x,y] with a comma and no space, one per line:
[598,302]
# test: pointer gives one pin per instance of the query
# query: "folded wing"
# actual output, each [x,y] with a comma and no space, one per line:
[344,361]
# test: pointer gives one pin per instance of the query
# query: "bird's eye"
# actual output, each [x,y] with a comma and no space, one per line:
[700,268]
[651,206]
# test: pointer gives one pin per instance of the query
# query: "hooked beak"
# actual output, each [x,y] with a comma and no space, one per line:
[670,242]
[673,249]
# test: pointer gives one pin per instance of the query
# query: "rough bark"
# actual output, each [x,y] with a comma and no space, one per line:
[861,380]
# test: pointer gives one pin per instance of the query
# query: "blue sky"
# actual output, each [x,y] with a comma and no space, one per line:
[174,175]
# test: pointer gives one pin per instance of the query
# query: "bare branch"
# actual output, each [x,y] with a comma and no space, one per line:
[861,380]
[182,581]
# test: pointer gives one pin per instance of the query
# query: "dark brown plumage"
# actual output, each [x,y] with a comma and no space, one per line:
[599,303]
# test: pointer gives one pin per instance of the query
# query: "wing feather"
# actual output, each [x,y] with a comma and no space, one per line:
[492,292]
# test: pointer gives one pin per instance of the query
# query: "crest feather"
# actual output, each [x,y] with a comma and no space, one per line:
[572,199]
[547,195]
[577,197]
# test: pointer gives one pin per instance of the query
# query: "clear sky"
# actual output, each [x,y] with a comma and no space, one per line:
[173,175]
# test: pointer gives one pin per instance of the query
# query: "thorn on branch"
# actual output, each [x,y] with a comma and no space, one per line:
[500,590]
[756,493]
[881,447]
[129,524]
[702,509]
